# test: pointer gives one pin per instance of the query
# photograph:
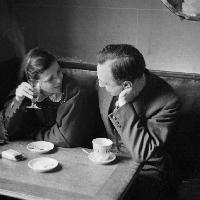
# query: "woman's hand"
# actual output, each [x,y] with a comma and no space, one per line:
[24,90]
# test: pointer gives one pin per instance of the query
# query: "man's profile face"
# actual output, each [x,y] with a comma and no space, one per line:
[106,78]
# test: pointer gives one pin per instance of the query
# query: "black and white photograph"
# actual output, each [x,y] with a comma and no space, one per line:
[99,99]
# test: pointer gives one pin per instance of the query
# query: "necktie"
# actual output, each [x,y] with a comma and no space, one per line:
[116,135]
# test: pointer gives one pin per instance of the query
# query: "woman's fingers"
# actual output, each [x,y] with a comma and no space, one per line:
[23,93]
[24,90]
[26,85]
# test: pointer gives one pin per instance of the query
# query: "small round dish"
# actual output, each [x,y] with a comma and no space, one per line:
[43,164]
[92,156]
[40,146]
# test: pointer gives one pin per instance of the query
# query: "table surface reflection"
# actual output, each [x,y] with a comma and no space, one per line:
[76,177]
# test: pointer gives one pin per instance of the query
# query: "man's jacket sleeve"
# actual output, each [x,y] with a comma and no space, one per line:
[142,135]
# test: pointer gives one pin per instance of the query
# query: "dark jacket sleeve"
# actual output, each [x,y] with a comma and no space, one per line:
[73,123]
[15,121]
[141,135]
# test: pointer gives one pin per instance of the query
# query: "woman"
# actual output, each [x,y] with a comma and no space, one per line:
[58,116]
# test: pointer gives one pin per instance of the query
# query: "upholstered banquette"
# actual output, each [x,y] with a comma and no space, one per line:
[184,143]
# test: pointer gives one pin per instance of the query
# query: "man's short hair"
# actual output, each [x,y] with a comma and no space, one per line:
[35,62]
[128,63]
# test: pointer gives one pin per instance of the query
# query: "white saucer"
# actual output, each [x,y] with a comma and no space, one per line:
[40,146]
[43,164]
[96,160]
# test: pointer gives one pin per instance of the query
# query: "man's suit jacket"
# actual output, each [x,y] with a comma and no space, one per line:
[145,123]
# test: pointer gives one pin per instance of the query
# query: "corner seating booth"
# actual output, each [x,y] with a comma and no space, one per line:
[184,143]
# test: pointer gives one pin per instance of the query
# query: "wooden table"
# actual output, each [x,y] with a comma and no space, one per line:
[76,177]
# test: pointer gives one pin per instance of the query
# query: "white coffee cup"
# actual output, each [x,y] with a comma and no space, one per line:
[101,148]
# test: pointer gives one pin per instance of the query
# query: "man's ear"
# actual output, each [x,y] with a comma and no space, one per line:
[127,84]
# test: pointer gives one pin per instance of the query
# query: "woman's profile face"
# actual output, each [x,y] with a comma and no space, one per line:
[51,79]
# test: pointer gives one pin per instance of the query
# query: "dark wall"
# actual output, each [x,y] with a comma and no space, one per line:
[11,48]
[8,77]
[11,37]
[77,29]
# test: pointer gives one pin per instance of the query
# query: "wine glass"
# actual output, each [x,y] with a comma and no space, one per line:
[36,90]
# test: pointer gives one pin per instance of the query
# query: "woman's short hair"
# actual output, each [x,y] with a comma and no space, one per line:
[128,63]
[35,62]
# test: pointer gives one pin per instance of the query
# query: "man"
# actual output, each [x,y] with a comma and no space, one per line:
[139,111]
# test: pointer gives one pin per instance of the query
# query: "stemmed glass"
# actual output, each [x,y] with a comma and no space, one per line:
[36,90]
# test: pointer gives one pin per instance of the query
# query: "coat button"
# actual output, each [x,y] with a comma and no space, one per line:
[115,118]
